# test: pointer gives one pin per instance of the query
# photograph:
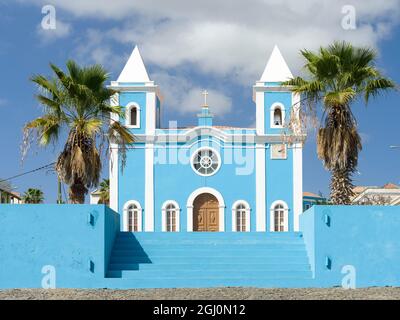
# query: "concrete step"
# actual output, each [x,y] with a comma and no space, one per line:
[201,244]
[204,252]
[208,234]
[210,259]
[196,259]
[215,266]
[126,283]
[209,274]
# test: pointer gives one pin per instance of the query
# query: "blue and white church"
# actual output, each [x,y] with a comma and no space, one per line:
[208,178]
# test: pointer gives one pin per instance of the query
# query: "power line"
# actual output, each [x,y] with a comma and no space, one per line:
[28,172]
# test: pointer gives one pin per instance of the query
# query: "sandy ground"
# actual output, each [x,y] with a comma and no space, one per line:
[203,294]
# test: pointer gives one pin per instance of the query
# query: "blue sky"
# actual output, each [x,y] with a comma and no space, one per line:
[188,47]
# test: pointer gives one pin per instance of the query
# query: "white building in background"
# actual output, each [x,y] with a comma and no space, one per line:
[8,196]
[389,194]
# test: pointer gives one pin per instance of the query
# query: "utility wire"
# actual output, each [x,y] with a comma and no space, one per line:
[28,172]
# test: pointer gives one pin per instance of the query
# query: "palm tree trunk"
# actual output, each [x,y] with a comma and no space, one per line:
[341,186]
[77,192]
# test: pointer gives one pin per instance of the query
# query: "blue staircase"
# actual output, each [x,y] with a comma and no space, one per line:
[209,259]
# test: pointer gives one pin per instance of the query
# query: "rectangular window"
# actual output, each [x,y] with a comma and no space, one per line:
[278,151]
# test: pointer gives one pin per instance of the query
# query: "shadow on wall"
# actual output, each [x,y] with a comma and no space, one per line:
[127,255]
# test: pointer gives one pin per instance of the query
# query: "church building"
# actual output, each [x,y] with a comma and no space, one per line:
[208,178]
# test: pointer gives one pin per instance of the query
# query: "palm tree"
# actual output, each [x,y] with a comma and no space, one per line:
[105,192]
[33,196]
[78,102]
[339,75]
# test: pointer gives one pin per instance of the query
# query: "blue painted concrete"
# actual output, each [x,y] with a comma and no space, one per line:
[140,98]
[84,245]
[279,183]
[207,259]
[365,237]
[67,237]
[270,98]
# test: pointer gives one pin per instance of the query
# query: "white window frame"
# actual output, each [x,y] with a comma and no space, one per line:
[128,115]
[285,216]
[195,154]
[125,215]
[277,105]
[164,215]
[247,208]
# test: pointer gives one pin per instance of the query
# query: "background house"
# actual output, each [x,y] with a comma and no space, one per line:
[389,194]
[7,195]
[310,199]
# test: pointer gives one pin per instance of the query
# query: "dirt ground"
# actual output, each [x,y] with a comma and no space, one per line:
[203,294]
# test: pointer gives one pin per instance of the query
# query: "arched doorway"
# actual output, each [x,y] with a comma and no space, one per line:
[206,213]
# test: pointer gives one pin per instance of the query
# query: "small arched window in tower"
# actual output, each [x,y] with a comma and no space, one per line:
[279,218]
[240,217]
[171,217]
[278,117]
[133,218]
[133,116]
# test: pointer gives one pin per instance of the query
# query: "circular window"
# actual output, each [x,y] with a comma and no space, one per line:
[206,162]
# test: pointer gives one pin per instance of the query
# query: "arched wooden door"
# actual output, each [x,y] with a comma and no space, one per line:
[206,213]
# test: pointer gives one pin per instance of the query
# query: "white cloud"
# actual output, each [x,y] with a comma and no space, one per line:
[62,30]
[94,48]
[232,38]
[185,98]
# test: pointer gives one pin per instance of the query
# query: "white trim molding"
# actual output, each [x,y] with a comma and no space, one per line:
[125,215]
[221,205]
[260,188]
[114,161]
[274,106]
[285,215]
[128,119]
[164,215]
[297,184]
[234,208]
[149,188]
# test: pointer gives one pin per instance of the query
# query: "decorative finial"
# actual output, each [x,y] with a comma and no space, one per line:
[205,94]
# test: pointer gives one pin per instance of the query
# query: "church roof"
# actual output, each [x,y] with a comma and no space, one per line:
[276,69]
[134,70]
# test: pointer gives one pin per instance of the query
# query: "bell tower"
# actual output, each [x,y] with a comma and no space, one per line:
[273,101]
[139,96]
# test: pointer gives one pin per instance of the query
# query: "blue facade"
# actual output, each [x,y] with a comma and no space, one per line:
[255,168]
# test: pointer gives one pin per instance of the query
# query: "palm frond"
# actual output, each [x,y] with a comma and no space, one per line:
[376,86]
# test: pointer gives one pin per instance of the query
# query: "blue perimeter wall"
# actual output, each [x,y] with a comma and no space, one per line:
[366,237]
[67,237]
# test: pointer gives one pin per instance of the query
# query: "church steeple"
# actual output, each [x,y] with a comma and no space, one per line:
[276,69]
[134,70]
[205,117]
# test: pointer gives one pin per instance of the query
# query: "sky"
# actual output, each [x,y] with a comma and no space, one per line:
[189,46]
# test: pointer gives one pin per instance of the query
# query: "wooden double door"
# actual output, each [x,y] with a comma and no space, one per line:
[206,213]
